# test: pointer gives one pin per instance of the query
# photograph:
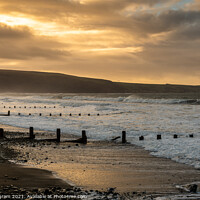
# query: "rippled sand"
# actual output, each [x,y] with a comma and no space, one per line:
[104,165]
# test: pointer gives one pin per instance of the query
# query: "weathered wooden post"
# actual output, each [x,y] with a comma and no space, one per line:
[159,137]
[70,114]
[98,114]
[1,133]
[32,136]
[175,136]
[191,135]
[79,114]
[50,114]
[14,106]
[19,113]
[141,138]
[29,113]
[4,107]
[40,114]
[60,114]
[24,106]
[9,113]
[123,136]
[89,114]
[58,134]
[84,137]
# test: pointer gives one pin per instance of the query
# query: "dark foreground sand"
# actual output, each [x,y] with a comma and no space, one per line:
[101,166]
[20,176]
[23,182]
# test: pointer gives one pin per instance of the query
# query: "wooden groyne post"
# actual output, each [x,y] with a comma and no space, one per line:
[141,138]
[84,137]
[32,136]
[191,135]
[9,113]
[58,134]
[159,137]
[175,136]
[1,133]
[123,137]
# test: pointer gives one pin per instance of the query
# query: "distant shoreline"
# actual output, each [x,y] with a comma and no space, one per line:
[159,95]
[43,82]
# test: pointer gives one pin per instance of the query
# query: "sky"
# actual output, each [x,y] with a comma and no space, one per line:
[138,41]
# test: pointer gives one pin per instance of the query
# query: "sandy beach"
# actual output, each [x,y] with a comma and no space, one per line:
[98,166]
[30,178]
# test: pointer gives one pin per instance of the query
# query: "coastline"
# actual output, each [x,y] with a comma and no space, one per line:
[103,165]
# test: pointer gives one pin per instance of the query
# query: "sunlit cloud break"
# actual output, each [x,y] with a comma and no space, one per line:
[119,50]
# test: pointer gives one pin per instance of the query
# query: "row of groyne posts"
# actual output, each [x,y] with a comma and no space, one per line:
[159,137]
[40,114]
[30,107]
[83,139]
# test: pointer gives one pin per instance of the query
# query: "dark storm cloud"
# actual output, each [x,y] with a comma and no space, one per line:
[19,42]
[182,22]
[190,32]
[17,32]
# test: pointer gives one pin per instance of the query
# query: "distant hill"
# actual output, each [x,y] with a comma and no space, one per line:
[43,82]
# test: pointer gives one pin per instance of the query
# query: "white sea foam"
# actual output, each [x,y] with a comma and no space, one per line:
[138,116]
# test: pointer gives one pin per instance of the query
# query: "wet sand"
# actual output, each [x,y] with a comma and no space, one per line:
[20,176]
[126,167]
[102,165]
[95,166]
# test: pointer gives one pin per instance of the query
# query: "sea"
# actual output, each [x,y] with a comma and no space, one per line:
[105,116]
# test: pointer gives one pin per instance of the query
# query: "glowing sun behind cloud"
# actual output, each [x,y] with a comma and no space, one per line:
[15,21]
